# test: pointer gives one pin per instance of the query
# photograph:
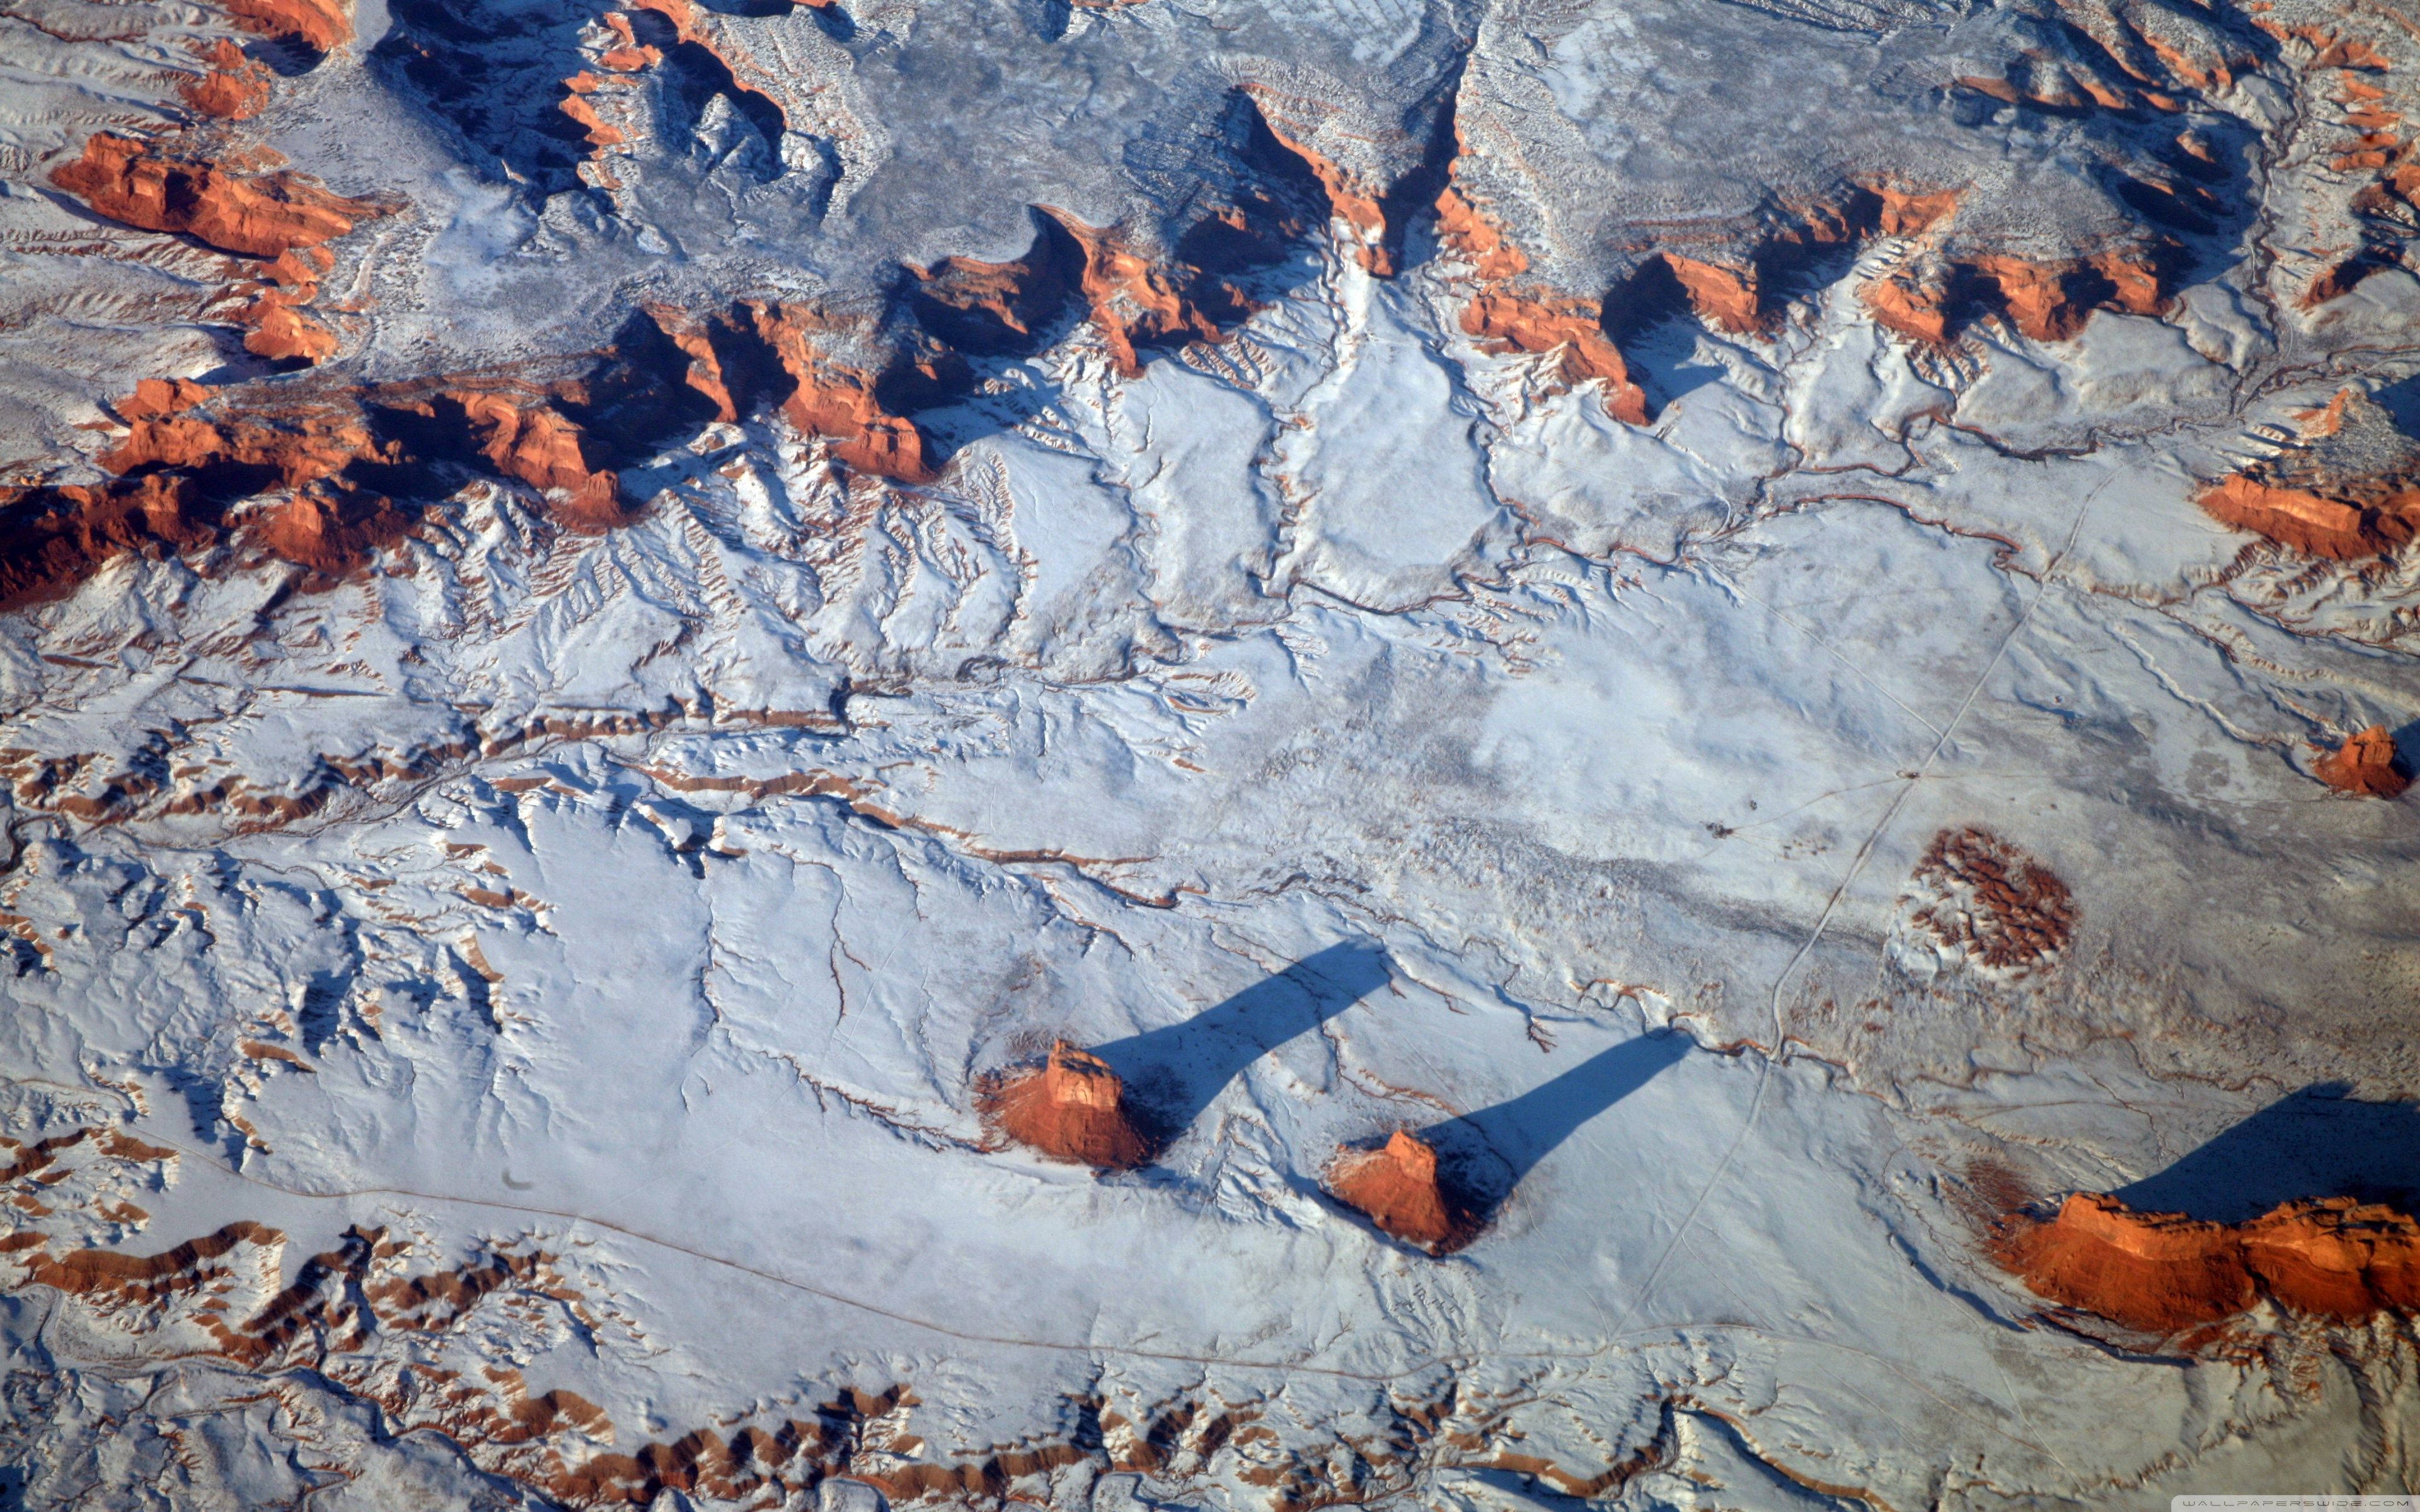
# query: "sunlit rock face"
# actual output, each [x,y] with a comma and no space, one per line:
[1202,753]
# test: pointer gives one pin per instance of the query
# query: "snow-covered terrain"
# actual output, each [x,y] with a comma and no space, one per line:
[1755,622]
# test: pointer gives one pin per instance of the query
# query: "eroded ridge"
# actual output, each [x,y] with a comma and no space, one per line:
[2335,1258]
[430,1348]
[2348,486]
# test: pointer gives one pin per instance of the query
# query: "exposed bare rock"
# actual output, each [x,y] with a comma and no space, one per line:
[1073,1108]
[2367,763]
[321,25]
[235,88]
[256,215]
[1399,1188]
[2349,489]
[2165,1273]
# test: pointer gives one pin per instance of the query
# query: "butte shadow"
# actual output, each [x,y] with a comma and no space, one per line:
[2320,1142]
[1117,1105]
[1439,1187]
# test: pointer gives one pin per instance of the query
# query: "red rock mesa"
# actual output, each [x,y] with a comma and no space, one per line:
[2348,489]
[2366,764]
[1073,1109]
[2163,1272]
[254,215]
[1398,1188]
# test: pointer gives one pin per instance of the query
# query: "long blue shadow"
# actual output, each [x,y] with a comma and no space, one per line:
[2320,1142]
[1482,1156]
[1172,1074]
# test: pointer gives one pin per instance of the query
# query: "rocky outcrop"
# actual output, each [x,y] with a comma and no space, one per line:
[321,25]
[1515,315]
[1072,1109]
[1934,298]
[1743,288]
[2368,764]
[860,406]
[1400,1189]
[2348,487]
[2336,1260]
[235,88]
[2376,154]
[254,215]
[54,538]
[1984,899]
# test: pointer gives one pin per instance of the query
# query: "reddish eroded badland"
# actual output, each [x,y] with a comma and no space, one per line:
[1073,1108]
[1522,319]
[235,88]
[1397,1186]
[843,401]
[321,25]
[1992,900]
[530,442]
[2366,764]
[2351,490]
[254,215]
[2043,301]
[2335,1259]
[54,538]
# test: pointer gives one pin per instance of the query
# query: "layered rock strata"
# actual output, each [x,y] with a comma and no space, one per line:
[2348,487]
[1073,1108]
[2336,1260]
[1400,1188]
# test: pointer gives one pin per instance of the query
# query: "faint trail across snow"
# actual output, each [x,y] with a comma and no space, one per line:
[1831,905]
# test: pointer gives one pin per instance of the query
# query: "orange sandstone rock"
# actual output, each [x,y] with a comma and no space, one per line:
[254,215]
[153,397]
[845,402]
[1400,1190]
[332,530]
[2164,1273]
[2366,764]
[297,445]
[54,538]
[1908,306]
[2351,489]
[1725,298]
[1134,301]
[280,330]
[1573,331]
[2310,521]
[1524,320]
[321,25]
[1073,1109]
[234,89]
[1478,239]
[535,445]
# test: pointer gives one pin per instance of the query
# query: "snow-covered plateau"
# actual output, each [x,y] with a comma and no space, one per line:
[1208,753]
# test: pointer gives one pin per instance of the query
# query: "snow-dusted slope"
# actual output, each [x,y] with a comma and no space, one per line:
[1739,617]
